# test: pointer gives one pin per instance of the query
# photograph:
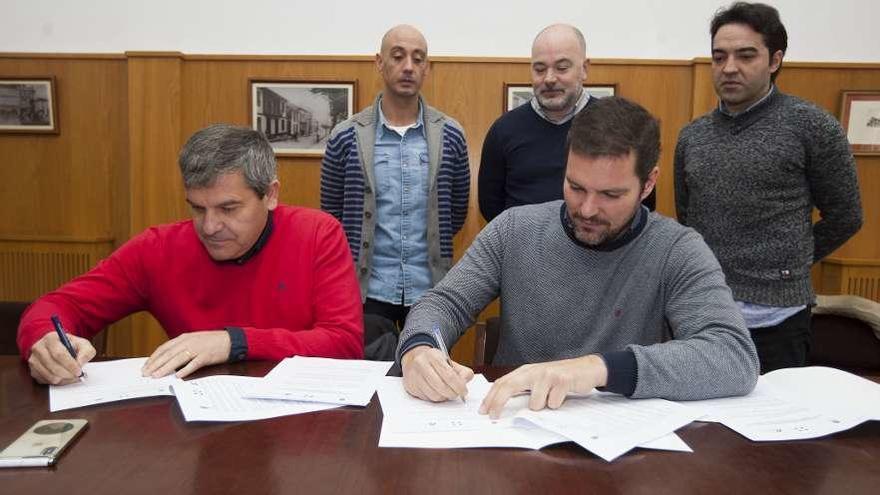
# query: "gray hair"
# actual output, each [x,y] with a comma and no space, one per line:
[222,149]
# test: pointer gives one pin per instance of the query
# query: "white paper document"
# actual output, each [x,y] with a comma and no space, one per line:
[221,398]
[331,381]
[671,442]
[828,390]
[411,422]
[610,425]
[797,403]
[109,381]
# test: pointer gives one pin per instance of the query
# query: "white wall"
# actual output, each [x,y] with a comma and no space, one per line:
[840,30]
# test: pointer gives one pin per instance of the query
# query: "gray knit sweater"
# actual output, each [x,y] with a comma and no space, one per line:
[661,295]
[749,183]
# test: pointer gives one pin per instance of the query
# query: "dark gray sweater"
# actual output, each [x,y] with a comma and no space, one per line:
[748,184]
[660,297]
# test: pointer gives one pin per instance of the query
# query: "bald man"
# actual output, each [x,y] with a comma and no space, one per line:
[397,176]
[523,159]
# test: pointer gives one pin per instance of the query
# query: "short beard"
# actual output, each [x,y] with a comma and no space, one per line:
[568,103]
[607,236]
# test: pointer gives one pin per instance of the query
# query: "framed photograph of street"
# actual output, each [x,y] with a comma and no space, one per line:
[515,94]
[860,117]
[297,116]
[28,105]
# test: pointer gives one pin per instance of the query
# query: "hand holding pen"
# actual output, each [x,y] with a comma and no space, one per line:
[441,344]
[429,373]
[62,335]
[58,357]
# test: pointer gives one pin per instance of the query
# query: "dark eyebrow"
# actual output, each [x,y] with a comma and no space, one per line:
[746,50]
[619,190]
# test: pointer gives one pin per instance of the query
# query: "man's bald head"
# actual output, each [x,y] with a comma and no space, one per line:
[403,61]
[555,33]
[399,33]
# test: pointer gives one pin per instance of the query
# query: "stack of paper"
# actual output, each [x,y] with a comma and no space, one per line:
[332,381]
[605,424]
[797,403]
[223,398]
[297,385]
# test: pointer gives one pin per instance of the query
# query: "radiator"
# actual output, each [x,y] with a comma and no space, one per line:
[30,269]
[854,277]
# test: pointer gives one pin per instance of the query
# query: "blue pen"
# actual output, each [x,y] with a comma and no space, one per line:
[64,340]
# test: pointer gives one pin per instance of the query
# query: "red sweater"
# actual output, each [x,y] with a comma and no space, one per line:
[298,295]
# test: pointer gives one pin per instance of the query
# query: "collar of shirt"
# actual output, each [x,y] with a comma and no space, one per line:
[582,101]
[261,241]
[636,225]
[724,111]
[384,126]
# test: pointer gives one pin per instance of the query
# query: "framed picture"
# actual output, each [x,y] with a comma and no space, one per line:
[28,105]
[297,116]
[860,116]
[515,94]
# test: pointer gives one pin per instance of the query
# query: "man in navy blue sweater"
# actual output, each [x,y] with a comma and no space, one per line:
[523,159]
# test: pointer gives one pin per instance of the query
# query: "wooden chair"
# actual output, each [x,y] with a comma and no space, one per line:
[846,333]
[844,342]
[10,314]
[486,341]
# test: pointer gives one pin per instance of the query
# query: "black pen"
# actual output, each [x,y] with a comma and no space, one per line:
[64,340]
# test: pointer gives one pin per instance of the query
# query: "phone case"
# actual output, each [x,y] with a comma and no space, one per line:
[47,439]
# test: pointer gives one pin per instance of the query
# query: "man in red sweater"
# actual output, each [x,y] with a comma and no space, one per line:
[246,278]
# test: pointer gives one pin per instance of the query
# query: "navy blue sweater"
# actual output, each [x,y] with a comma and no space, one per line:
[523,162]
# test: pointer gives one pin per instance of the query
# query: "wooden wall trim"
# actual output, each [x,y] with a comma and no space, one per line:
[154,112]
[811,65]
[435,59]
[278,58]
[63,56]
[149,54]
[56,239]
[851,262]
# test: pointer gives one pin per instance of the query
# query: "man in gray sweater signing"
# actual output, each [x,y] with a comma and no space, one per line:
[596,291]
[748,175]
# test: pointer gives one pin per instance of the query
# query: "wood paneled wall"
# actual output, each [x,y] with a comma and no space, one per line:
[59,195]
[112,171]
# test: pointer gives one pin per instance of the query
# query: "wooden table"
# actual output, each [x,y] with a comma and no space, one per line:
[145,446]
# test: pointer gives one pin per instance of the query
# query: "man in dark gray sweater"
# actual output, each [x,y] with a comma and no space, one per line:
[748,174]
[597,289]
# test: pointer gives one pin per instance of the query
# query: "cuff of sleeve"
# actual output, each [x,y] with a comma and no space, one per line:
[622,372]
[415,341]
[238,344]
